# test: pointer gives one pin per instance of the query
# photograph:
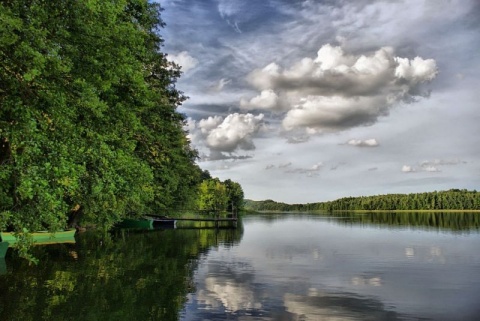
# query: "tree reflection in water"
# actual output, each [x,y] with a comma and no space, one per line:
[127,275]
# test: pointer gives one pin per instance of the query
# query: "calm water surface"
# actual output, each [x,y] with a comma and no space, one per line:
[273,267]
[320,268]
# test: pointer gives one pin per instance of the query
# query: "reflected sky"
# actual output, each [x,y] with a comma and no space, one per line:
[312,268]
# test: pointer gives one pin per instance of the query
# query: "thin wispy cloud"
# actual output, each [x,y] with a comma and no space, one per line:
[433,166]
[372,142]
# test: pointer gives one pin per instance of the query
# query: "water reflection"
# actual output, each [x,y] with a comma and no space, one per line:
[280,267]
[462,222]
[336,307]
[304,267]
[363,280]
[232,296]
[129,275]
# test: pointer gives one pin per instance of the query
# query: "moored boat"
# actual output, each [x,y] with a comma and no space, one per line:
[143,223]
[42,237]
[3,249]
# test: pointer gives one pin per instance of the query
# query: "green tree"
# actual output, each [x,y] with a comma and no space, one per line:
[88,121]
[235,196]
[212,196]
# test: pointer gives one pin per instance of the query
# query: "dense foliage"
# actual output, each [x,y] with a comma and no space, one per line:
[88,123]
[217,196]
[453,199]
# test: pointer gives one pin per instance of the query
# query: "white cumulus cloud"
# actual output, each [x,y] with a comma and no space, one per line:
[235,132]
[264,78]
[416,70]
[319,114]
[225,135]
[210,123]
[267,99]
[336,90]
[183,59]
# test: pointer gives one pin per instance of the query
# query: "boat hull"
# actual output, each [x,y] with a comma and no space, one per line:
[136,223]
[67,236]
[3,249]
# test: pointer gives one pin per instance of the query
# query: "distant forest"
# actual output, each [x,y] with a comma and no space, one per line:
[454,199]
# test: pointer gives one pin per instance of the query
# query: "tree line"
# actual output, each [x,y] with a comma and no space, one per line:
[453,199]
[438,220]
[89,127]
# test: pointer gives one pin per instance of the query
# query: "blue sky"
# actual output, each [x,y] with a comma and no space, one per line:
[304,101]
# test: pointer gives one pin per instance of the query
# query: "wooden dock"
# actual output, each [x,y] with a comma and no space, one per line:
[171,221]
[200,219]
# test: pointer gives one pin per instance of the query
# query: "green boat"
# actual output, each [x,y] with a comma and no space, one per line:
[3,249]
[3,266]
[143,223]
[42,237]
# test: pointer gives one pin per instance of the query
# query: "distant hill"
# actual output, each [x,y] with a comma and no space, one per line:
[453,199]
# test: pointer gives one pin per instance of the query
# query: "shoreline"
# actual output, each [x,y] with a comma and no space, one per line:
[361,211]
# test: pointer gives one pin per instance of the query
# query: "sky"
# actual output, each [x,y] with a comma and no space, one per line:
[309,101]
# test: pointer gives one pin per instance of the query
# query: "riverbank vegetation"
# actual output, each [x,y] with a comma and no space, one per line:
[89,131]
[454,199]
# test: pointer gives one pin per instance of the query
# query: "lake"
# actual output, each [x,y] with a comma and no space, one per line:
[376,266]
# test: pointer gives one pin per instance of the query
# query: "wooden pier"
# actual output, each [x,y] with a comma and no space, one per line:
[171,221]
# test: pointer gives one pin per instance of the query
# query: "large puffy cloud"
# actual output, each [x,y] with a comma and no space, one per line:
[225,135]
[198,130]
[235,132]
[416,70]
[210,123]
[329,114]
[336,90]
